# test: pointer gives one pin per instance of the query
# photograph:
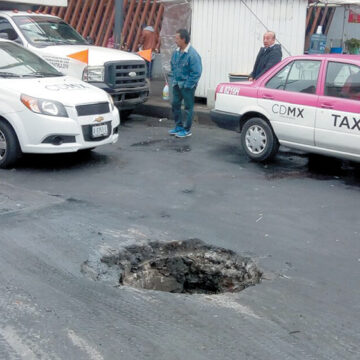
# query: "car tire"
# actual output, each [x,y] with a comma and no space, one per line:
[124,114]
[258,140]
[9,146]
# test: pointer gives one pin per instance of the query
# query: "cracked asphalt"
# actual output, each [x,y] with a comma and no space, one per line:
[297,218]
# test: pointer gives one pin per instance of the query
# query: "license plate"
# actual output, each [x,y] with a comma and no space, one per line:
[99,131]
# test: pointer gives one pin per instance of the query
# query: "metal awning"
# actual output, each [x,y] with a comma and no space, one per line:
[335,2]
[341,2]
[37,2]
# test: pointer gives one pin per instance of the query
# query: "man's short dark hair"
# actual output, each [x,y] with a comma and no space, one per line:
[184,34]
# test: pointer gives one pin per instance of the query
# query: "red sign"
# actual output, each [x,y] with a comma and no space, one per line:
[354,17]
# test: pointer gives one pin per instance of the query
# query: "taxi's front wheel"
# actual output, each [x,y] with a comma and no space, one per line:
[258,140]
[9,145]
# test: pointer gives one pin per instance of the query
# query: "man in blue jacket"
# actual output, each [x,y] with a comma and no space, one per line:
[268,56]
[186,70]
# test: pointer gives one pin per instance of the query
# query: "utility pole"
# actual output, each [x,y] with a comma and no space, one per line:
[119,21]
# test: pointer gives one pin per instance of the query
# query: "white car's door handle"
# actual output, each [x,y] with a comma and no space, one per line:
[268,97]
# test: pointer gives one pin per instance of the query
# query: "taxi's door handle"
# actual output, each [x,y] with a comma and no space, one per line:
[327,106]
[267,96]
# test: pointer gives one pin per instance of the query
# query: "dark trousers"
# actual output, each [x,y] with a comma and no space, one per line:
[188,95]
[149,65]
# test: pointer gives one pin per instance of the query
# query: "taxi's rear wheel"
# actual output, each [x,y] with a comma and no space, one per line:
[9,145]
[258,140]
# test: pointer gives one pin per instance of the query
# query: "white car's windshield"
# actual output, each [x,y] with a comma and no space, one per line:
[43,31]
[17,62]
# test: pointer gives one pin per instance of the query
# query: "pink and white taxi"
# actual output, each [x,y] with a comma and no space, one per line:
[308,102]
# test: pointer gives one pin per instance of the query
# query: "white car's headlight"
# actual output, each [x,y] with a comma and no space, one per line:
[111,101]
[94,74]
[43,106]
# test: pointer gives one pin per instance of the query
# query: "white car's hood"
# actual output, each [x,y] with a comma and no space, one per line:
[97,55]
[64,57]
[65,89]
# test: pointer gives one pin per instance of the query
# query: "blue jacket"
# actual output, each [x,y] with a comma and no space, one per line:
[186,68]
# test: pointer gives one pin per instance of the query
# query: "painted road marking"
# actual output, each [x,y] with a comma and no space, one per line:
[84,346]
[13,339]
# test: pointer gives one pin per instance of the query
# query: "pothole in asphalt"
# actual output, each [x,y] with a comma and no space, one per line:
[189,266]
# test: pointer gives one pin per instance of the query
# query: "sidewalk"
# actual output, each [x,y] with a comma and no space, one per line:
[155,106]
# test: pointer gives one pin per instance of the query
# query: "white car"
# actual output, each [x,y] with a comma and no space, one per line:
[119,73]
[43,111]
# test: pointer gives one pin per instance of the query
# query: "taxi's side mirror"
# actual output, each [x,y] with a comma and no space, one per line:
[90,40]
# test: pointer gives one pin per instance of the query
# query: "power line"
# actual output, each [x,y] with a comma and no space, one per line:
[267,29]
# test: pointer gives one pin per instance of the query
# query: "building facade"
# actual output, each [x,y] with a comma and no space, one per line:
[228,35]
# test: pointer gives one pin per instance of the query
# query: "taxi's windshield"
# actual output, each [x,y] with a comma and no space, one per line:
[43,31]
[17,62]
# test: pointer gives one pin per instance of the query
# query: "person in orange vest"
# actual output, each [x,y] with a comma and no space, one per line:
[149,40]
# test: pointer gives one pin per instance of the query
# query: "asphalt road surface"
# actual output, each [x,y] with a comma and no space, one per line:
[297,218]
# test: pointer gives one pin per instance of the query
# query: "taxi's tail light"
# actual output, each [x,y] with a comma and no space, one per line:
[216,91]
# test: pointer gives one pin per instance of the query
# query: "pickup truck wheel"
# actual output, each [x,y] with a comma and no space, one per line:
[9,146]
[124,114]
[258,140]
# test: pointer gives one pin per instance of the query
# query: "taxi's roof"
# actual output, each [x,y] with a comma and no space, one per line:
[337,57]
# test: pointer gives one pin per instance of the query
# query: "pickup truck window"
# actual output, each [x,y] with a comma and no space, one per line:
[342,80]
[298,76]
[15,61]
[7,29]
[42,31]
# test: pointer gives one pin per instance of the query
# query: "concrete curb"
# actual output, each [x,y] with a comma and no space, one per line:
[162,109]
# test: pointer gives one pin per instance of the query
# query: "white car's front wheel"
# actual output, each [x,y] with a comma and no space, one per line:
[258,140]
[9,145]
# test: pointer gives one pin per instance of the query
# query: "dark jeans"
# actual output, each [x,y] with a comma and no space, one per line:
[149,65]
[188,95]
